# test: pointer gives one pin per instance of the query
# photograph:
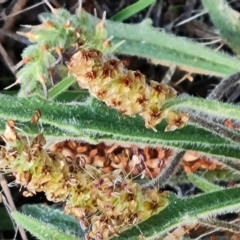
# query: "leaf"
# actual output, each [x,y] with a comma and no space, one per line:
[131,10]
[226,20]
[202,183]
[165,48]
[54,217]
[92,121]
[187,210]
[62,86]
[40,230]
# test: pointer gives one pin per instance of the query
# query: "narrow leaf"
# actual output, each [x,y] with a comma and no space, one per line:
[40,230]
[131,10]
[226,20]
[54,217]
[94,122]
[202,183]
[62,86]
[212,108]
[164,48]
[184,211]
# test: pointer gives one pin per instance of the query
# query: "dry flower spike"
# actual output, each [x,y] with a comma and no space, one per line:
[124,90]
[109,201]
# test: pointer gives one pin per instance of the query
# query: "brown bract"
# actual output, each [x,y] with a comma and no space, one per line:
[10,133]
[146,162]
[200,163]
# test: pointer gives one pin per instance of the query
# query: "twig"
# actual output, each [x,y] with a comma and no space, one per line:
[8,195]
[15,36]
[24,10]
[7,59]
[168,75]
[19,5]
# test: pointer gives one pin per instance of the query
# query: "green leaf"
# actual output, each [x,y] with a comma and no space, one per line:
[73,95]
[213,109]
[226,20]
[164,48]
[55,217]
[187,210]
[92,121]
[210,115]
[202,183]
[62,86]
[216,175]
[157,46]
[40,230]
[132,9]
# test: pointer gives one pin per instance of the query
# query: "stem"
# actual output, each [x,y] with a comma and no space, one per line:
[223,225]
[221,131]
[167,172]
[223,87]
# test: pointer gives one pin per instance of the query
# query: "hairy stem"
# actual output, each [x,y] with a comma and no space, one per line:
[216,128]
[167,172]
[222,88]
[223,225]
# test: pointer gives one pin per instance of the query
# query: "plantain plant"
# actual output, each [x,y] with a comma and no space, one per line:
[120,107]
